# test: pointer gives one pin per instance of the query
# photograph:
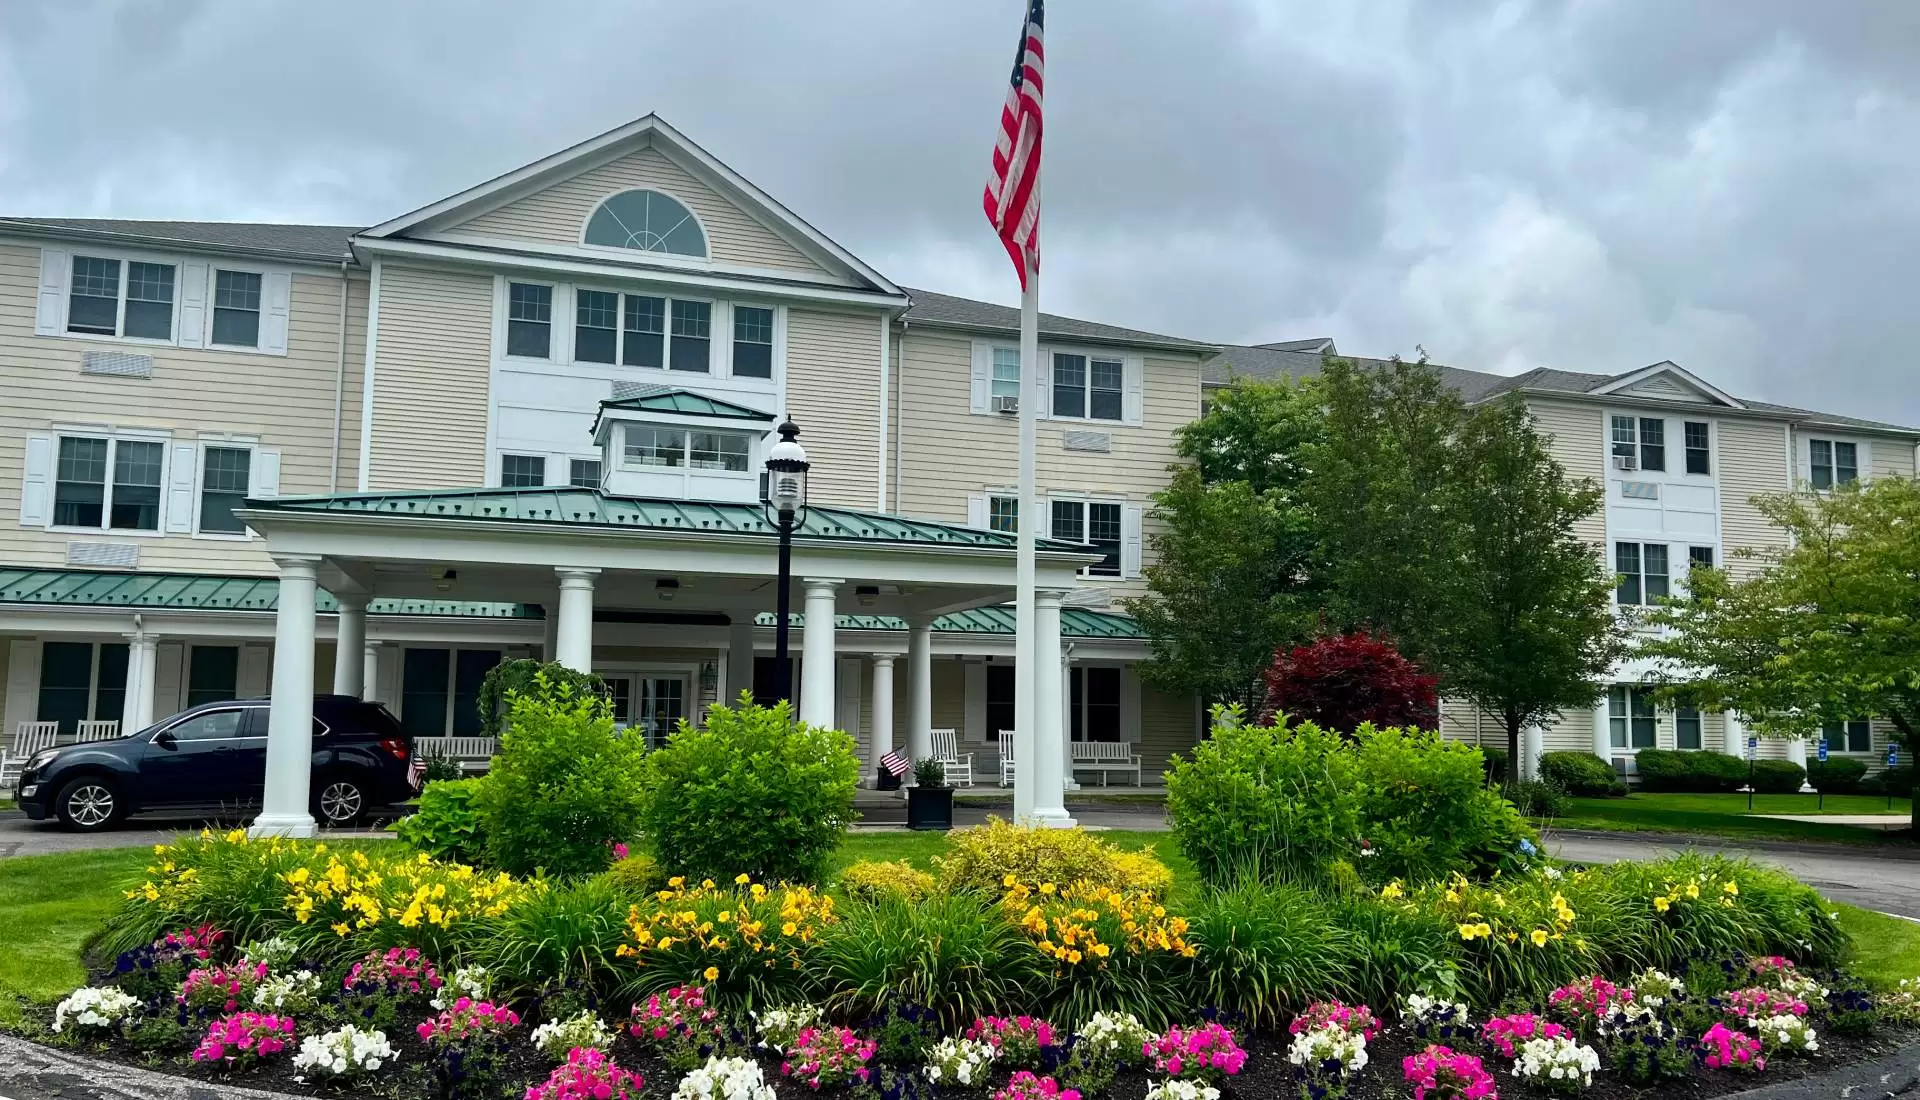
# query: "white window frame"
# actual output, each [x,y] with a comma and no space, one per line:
[213,283]
[706,234]
[1641,575]
[562,339]
[775,346]
[1120,502]
[994,381]
[559,305]
[120,309]
[193,289]
[597,459]
[1862,458]
[1713,436]
[1868,751]
[114,437]
[201,446]
[1087,388]
[687,432]
[93,678]
[1628,693]
[1120,711]
[500,468]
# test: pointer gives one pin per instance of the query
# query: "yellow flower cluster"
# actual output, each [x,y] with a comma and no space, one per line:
[1527,910]
[1691,891]
[1085,924]
[711,930]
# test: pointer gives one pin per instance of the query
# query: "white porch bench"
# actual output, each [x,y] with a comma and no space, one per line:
[473,754]
[1105,757]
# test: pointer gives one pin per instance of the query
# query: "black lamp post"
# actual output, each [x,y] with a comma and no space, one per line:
[786,508]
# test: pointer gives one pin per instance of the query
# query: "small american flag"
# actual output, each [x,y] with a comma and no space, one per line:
[895,764]
[1012,200]
[417,771]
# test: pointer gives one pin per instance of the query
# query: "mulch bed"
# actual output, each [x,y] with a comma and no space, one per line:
[1267,1074]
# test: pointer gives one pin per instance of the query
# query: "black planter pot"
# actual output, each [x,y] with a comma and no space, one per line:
[930,808]
[886,781]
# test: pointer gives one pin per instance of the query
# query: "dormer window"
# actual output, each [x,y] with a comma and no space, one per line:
[647,221]
[662,441]
[723,452]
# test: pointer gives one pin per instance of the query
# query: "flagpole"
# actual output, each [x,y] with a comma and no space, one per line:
[1026,652]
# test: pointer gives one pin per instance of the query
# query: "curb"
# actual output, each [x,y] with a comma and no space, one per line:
[1897,1074]
[32,1070]
[1892,850]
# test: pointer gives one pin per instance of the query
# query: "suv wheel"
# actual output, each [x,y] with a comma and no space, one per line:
[87,804]
[338,800]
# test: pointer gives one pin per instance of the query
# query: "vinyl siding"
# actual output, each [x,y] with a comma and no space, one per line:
[1891,458]
[1169,724]
[285,400]
[1752,460]
[1576,437]
[951,453]
[833,393]
[558,214]
[431,375]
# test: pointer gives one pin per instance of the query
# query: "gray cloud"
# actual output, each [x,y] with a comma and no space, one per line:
[1586,184]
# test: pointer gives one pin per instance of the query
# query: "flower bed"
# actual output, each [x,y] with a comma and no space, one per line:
[753,990]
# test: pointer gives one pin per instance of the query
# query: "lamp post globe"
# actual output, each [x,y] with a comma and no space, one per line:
[785,505]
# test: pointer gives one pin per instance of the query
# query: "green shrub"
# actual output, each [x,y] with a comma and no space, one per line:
[1778,776]
[1496,761]
[1693,771]
[1393,951]
[1722,771]
[638,875]
[1265,952]
[565,787]
[524,677]
[1896,781]
[1272,802]
[873,880]
[1580,774]
[1425,808]
[1836,775]
[752,792]
[1668,912]
[1534,798]
[568,932]
[446,826]
[983,857]
[956,955]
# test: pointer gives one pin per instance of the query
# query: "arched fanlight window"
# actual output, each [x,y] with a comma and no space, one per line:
[648,221]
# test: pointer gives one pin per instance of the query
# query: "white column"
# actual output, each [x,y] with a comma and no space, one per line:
[1797,754]
[882,714]
[142,662]
[350,646]
[1049,757]
[1735,735]
[573,644]
[370,671]
[740,658]
[1066,718]
[816,654]
[919,690]
[550,636]
[1533,743]
[283,811]
[1602,732]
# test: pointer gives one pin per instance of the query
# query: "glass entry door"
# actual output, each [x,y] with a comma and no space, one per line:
[653,703]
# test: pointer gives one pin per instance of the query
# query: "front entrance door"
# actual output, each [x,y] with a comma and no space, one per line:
[652,702]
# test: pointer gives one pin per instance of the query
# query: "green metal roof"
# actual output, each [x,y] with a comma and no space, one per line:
[1075,622]
[581,507]
[190,592]
[687,403]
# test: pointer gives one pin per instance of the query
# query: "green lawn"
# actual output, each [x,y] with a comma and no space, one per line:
[1726,815]
[1885,949]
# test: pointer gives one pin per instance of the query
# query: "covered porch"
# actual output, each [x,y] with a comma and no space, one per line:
[683,574]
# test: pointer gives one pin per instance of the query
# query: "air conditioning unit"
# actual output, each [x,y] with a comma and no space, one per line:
[1005,404]
[1625,462]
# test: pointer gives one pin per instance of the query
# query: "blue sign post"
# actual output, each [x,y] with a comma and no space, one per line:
[1821,801]
[1753,752]
[1893,761]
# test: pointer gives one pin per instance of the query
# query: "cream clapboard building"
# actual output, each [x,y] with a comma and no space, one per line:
[528,404]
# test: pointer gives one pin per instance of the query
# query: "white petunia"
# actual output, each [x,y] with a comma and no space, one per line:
[725,1079]
[1557,1059]
[558,1038]
[1176,1089]
[344,1052]
[95,1008]
[962,1061]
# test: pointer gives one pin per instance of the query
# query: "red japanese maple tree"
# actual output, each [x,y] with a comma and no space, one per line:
[1341,680]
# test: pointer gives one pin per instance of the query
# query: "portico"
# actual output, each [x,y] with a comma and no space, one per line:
[683,571]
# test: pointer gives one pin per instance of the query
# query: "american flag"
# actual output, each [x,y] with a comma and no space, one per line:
[895,764]
[416,771]
[1012,203]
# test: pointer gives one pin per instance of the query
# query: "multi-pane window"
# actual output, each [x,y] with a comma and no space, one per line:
[584,473]
[1853,735]
[1630,718]
[440,690]
[692,341]
[529,320]
[1087,388]
[81,681]
[1069,385]
[1105,383]
[1625,440]
[1003,514]
[96,305]
[1094,523]
[223,486]
[1699,447]
[644,333]
[522,471]
[1653,443]
[1643,572]
[718,451]
[725,451]
[213,674]
[656,446]
[1686,728]
[1700,557]
[596,326]
[1006,373]
[752,342]
[1095,704]
[84,495]
[1833,462]
[236,309]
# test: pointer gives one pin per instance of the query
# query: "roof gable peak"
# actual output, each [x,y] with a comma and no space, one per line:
[1667,381]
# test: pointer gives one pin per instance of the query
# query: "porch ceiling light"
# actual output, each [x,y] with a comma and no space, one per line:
[866,594]
[666,588]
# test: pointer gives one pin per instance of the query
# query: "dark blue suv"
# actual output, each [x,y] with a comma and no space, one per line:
[214,758]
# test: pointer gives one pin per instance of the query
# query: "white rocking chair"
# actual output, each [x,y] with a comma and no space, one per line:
[1006,758]
[98,731]
[955,768]
[28,738]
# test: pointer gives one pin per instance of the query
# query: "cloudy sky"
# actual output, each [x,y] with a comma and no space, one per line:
[1584,184]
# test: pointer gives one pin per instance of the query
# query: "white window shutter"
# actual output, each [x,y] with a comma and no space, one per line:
[276,292]
[193,304]
[265,482]
[974,718]
[23,683]
[982,376]
[976,509]
[1133,403]
[1043,379]
[180,480]
[56,265]
[169,679]
[1130,704]
[1129,540]
[255,671]
[36,489]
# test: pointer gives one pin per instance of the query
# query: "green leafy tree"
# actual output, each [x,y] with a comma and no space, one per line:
[1825,630]
[1233,577]
[1530,626]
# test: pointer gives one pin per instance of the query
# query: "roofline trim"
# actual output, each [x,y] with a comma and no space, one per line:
[1668,367]
[15,227]
[1164,343]
[1743,412]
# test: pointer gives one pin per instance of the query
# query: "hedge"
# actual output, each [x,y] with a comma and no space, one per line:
[1778,776]
[1692,772]
[1579,773]
[1837,775]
